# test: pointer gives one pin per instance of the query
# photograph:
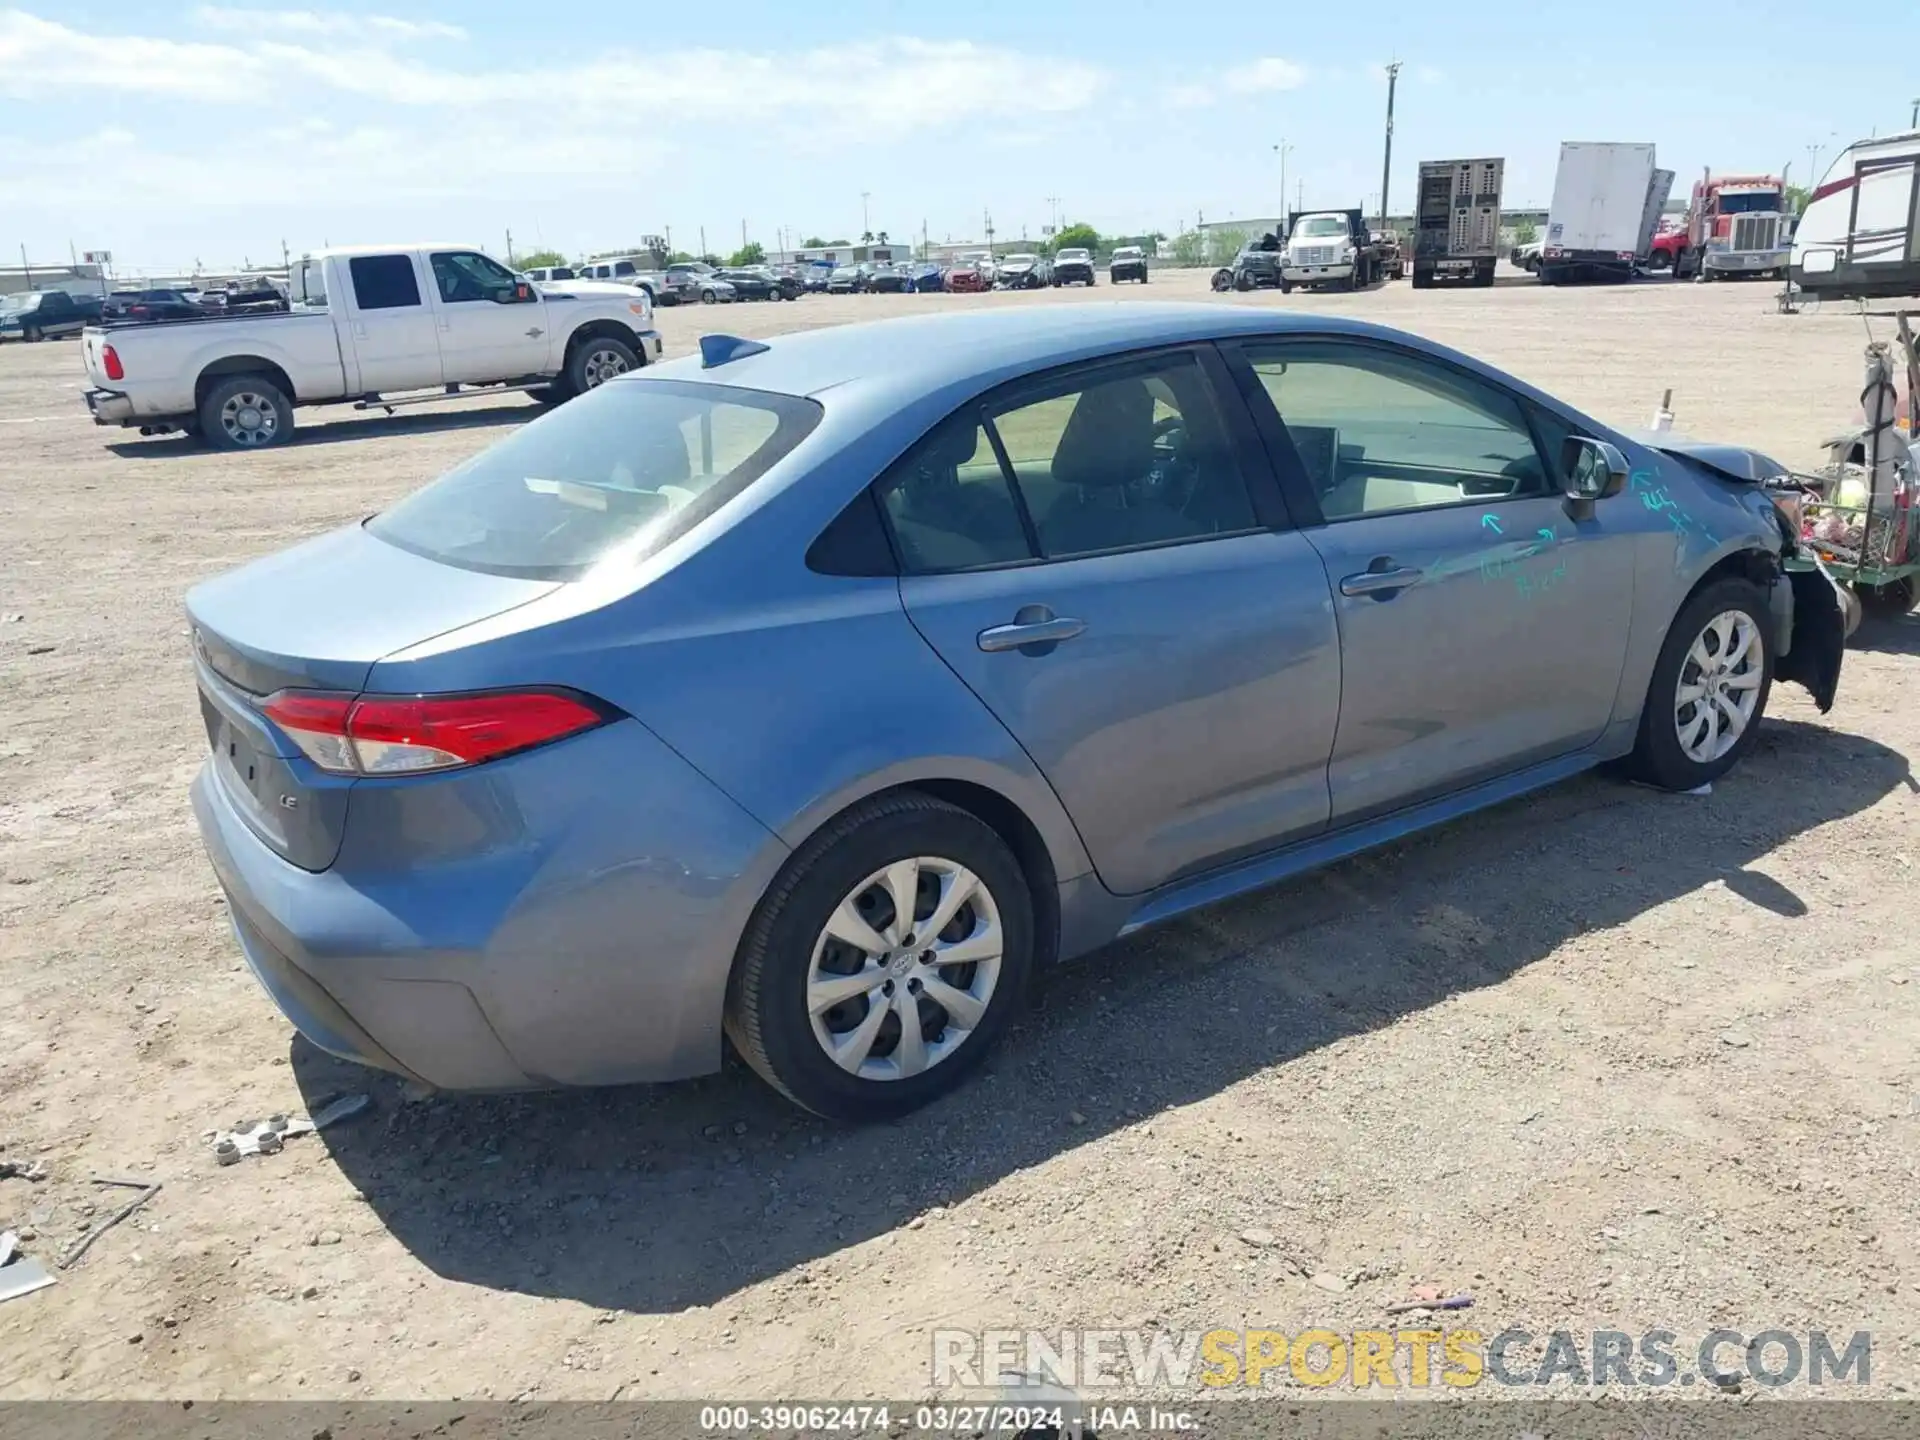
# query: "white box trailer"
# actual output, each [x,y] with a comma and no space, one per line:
[1597,224]
[1860,233]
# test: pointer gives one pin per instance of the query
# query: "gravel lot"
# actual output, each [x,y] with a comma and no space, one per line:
[1605,1058]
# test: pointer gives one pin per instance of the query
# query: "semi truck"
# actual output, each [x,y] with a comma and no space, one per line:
[1735,225]
[1607,198]
[1456,223]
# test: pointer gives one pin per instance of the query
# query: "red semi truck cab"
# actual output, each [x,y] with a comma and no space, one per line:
[1736,225]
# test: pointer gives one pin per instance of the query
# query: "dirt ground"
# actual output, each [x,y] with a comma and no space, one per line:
[1604,1059]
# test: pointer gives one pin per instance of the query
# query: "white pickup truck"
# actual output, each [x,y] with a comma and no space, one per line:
[377,326]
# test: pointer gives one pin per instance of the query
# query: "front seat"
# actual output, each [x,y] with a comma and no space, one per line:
[1107,447]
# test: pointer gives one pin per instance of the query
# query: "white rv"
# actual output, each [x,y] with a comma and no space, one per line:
[1860,233]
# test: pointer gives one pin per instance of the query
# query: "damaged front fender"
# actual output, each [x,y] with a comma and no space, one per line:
[1820,617]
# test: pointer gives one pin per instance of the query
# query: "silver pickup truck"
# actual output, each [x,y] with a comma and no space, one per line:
[373,326]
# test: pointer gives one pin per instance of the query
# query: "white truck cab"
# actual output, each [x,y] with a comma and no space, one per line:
[1319,250]
[375,326]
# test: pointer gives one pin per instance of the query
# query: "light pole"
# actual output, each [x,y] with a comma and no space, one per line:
[866,225]
[1281,150]
[1386,165]
[1913,121]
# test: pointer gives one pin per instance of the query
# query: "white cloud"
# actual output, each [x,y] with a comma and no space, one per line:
[1429,74]
[1257,77]
[888,84]
[1266,74]
[310,22]
[40,57]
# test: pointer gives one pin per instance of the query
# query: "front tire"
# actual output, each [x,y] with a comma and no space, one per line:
[597,359]
[848,1012]
[246,412]
[1709,688]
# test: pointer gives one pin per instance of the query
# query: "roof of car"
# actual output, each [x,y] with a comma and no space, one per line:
[913,355]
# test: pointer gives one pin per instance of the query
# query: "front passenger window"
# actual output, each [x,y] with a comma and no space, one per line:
[464,276]
[1379,430]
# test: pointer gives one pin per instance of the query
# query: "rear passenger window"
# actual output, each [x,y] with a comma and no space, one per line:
[1124,459]
[383,282]
[949,502]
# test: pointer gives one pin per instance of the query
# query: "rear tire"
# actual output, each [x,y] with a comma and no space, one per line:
[246,412]
[1730,613]
[788,951]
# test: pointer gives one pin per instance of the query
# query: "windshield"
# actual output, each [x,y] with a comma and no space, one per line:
[1127,252]
[1075,255]
[1021,260]
[627,467]
[1316,227]
[1752,202]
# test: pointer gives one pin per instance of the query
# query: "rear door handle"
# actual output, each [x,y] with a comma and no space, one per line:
[1027,628]
[1382,580]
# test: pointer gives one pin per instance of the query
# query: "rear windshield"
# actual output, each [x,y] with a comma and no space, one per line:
[628,467]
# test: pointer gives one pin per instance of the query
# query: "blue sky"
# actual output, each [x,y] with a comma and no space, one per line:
[214,133]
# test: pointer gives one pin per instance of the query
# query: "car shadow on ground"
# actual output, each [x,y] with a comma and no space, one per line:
[371,426]
[654,1199]
[1888,634]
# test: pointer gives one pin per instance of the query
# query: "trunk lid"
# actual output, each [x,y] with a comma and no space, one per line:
[316,617]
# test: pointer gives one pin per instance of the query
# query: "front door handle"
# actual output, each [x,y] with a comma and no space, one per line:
[1382,580]
[1033,626]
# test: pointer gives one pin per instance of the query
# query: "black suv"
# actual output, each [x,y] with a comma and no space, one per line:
[756,282]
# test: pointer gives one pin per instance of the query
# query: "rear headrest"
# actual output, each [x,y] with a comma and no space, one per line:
[952,445]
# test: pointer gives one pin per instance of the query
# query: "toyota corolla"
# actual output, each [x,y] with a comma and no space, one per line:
[811,693]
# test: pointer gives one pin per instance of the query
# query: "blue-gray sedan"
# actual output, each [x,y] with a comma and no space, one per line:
[812,693]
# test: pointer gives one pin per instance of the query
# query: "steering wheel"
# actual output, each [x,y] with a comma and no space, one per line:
[1170,476]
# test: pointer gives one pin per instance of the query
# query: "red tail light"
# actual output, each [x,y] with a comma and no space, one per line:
[110,359]
[408,734]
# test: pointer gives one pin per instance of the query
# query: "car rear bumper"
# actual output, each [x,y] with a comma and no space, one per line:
[514,927]
[110,407]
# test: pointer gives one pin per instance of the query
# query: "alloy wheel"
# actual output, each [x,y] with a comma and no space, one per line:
[1719,687]
[905,968]
[250,419]
[601,366]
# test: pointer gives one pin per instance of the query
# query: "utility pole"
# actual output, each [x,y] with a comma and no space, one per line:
[743,234]
[1281,150]
[866,221]
[987,217]
[1386,165]
[509,247]
[703,245]
[1913,121]
[25,268]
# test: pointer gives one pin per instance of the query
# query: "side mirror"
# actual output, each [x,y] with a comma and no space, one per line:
[513,294]
[1593,469]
